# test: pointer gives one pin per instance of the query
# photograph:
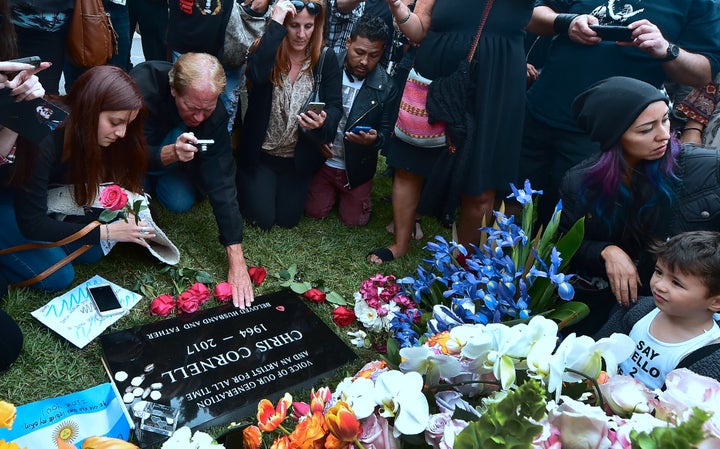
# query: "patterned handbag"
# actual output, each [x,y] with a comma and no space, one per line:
[412,125]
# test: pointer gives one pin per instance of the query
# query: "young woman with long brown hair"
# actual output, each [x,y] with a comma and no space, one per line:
[101,141]
[280,148]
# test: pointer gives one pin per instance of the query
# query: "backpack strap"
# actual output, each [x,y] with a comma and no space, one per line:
[697,354]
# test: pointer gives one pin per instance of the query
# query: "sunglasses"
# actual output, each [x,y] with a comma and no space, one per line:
[313,8]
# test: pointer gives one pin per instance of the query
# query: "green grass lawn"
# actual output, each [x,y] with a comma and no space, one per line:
[323,251]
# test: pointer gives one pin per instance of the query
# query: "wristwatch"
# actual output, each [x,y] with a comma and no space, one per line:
[673,51]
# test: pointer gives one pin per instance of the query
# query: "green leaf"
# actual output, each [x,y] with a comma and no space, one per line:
[300,287]
[285,274]
[335,298]
[204,277]
[570,242]
[107,216]
[393,353]
[567,313]
[292,271]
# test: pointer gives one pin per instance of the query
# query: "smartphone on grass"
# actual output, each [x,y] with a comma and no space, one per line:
[105,300]
[315,106]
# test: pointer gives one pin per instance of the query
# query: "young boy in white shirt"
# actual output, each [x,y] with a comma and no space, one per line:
[675,327]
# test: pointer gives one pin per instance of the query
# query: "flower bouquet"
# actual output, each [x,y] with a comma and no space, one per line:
[510,276]
[496,386]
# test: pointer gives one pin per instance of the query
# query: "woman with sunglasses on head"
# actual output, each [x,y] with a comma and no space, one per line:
[644,186]
[281,138]
[101,141]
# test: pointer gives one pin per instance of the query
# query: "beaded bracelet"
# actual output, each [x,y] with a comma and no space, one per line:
[406,18]
[107,232]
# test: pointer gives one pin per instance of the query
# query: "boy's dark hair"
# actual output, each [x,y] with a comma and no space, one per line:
[696,253]
[372,28]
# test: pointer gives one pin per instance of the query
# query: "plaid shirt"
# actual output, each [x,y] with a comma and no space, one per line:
[340,25]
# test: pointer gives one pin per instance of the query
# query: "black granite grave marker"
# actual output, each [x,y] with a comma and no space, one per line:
[215,365]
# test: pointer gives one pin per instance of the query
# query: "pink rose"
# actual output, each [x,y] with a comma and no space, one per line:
[187,302]
[314,295]
[625,395]
[113,197]
[342,316]
[162,305]
[201,293]
[377,433]
[223,291]
[580,425]
[257,274]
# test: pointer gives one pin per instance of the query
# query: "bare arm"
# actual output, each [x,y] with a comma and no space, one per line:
[689,68]
[542,21]
[414,25]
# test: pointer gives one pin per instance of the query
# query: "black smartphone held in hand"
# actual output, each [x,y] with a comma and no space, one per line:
[316,106]
[613,33]
[358,129]
[32,60]
[105,300]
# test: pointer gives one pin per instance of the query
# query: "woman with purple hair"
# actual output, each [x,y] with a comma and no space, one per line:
[644,186]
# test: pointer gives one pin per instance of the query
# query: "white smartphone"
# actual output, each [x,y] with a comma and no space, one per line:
[105,300]
[316,106]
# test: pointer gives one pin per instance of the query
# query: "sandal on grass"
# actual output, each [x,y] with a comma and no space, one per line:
[384,254]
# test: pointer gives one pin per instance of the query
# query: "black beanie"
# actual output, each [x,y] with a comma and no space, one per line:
[608,108]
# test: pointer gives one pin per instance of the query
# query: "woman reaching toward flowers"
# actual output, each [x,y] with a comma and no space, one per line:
[101,141]
[644,186]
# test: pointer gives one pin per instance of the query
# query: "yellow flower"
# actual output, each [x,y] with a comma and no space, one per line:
[7,415]
[106,443]
[5,445]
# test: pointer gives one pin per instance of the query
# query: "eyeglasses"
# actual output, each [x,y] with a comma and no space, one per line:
[313,8]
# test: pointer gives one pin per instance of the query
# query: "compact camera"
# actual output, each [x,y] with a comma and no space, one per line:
[203,144]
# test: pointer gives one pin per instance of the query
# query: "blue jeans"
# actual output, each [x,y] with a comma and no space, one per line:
[23,265]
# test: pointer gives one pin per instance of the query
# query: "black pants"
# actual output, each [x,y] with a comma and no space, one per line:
[11,338]
[152,18]
[273,193]
[50,46]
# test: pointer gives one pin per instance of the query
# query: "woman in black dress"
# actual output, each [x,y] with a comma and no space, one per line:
[446,30]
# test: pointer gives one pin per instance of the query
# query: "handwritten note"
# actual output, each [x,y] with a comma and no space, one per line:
[73,315]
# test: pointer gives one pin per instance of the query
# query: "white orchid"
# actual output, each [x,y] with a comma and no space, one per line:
[359,394]
[358,338]
[400,395]
[183,438]
[426,361]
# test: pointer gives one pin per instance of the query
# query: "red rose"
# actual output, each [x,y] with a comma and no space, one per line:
[200,292]
[162,305]
[113,197]
[257,274]
[187,302]
[342,316]
[315,295]
[223,291]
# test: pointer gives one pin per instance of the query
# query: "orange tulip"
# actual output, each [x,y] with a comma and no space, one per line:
[270,418]
[319,398]
[7,415]
[309,433]
[343,423]
[252,437]
[281,442]
[333,443]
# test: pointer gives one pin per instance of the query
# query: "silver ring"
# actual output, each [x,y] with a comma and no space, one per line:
[144,230]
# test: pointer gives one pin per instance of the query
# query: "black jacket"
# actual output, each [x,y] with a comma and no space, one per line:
[695,206]
[215,168]
[373,106]
[259,66]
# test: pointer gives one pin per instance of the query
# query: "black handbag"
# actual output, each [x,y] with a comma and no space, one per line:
[449,96]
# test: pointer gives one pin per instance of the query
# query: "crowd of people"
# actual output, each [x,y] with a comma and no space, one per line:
[587,123]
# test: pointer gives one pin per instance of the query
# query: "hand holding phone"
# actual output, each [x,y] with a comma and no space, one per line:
[357,129]
[316,106]
[613,33]
[105,300]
